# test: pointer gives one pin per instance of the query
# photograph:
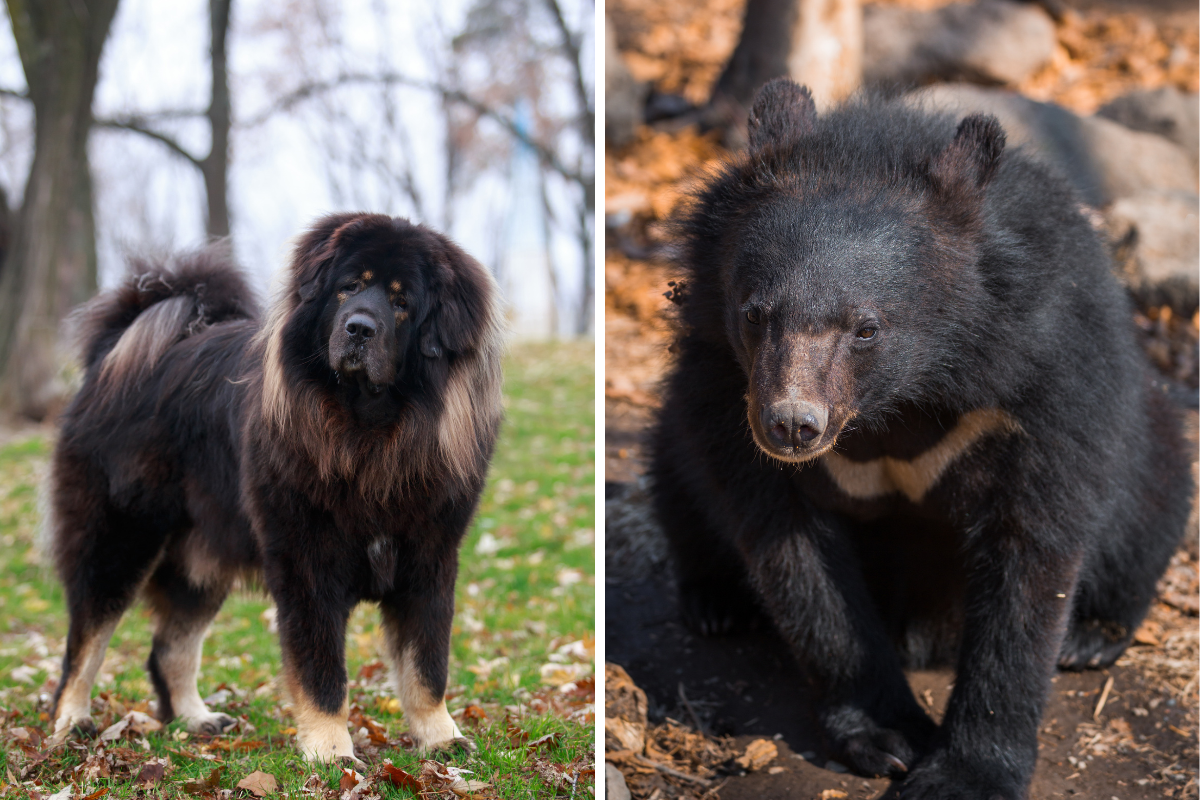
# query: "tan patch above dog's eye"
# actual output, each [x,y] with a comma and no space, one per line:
[366,276]
[395,286]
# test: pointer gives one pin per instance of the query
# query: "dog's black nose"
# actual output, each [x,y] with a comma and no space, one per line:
[360,327]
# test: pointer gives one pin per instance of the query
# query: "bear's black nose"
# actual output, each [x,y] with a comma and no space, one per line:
[794,424]
[360,327]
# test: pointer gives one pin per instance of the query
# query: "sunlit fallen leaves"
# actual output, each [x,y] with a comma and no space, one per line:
[259,783]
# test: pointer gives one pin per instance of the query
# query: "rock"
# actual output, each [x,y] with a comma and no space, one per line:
[624,97]
[1166,112]
[1103,160]
[614,784]
[624,711]
[1162,231]
[990,41]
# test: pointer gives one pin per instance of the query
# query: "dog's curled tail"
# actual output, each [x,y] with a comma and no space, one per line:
[121,333]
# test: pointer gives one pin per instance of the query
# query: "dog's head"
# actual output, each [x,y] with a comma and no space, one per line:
[380,308]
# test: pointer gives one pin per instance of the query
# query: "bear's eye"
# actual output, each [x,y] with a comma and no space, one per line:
[867,332]
[752,316]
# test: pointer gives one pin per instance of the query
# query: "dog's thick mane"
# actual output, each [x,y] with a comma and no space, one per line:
[448,438]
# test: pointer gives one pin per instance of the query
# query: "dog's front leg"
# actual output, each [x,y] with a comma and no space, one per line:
[417,618]
[313,608]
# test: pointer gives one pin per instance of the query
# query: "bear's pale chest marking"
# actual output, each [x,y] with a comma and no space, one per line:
[864,480]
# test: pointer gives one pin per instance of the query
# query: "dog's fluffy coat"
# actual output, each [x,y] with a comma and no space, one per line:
[335,451]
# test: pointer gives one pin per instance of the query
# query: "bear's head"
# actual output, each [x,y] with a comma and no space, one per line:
[841,270]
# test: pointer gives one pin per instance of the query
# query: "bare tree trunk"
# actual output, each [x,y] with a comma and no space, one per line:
[817,43]
[52,263]
[215,165]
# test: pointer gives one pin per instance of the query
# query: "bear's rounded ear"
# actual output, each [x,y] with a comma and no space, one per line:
[783,111]
[969,162]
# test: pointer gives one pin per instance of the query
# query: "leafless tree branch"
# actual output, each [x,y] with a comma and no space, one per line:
[308,90]
[138,125]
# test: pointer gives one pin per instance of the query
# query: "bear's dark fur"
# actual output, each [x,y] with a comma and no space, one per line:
[910,419]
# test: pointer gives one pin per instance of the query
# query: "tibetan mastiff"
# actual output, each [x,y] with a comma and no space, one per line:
[335,451]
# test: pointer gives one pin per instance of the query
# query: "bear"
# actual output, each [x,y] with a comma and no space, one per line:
[908,423]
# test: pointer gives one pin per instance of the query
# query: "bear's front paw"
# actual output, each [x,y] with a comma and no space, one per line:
[943,778]
[1092,644]
[877,753]
[718,611]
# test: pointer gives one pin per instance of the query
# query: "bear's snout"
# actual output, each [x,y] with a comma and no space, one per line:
[794,424]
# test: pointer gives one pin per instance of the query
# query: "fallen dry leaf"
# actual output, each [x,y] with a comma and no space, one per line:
[832,794]
[133,722]
[96,795]
[759,754]
[398,777]
[349,780]
[151,773]
[259,783]
[212,782]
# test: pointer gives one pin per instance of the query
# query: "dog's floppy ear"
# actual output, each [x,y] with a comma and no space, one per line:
[319,246]
[462,302]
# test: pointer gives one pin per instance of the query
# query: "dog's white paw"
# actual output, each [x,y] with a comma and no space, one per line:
[327,744]
[209,722]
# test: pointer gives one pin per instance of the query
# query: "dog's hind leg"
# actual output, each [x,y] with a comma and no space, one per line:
[101,573]
[183,613]
[417,630]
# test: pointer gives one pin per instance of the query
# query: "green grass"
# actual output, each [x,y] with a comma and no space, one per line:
[523,627]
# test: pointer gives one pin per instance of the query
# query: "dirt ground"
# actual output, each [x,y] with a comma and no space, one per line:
[1139,742]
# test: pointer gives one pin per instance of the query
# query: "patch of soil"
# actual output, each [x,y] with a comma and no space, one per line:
[1141,744]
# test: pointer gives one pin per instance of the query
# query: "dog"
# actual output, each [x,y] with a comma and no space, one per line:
[909,421]
[335,452]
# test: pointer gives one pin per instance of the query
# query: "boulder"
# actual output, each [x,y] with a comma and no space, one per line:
[1166,111]
[614,784]
[1161,231]
[990,42]
[1104,160]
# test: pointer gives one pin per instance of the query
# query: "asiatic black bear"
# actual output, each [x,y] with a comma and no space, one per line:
[909,418]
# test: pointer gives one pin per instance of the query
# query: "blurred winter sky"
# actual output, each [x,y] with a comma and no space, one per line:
[352,148]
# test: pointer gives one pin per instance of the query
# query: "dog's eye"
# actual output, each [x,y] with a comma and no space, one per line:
[753,316]
[867,332]
[400,301]
[350,286]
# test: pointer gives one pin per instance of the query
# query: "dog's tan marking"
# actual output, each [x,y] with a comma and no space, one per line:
[147,338]
[368,275]
[178,657]
[276,404]
[864,480]
[341,296]
[320,736]
[428,720]
[472,400]
[75,702]
[401,316]
[395,286]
